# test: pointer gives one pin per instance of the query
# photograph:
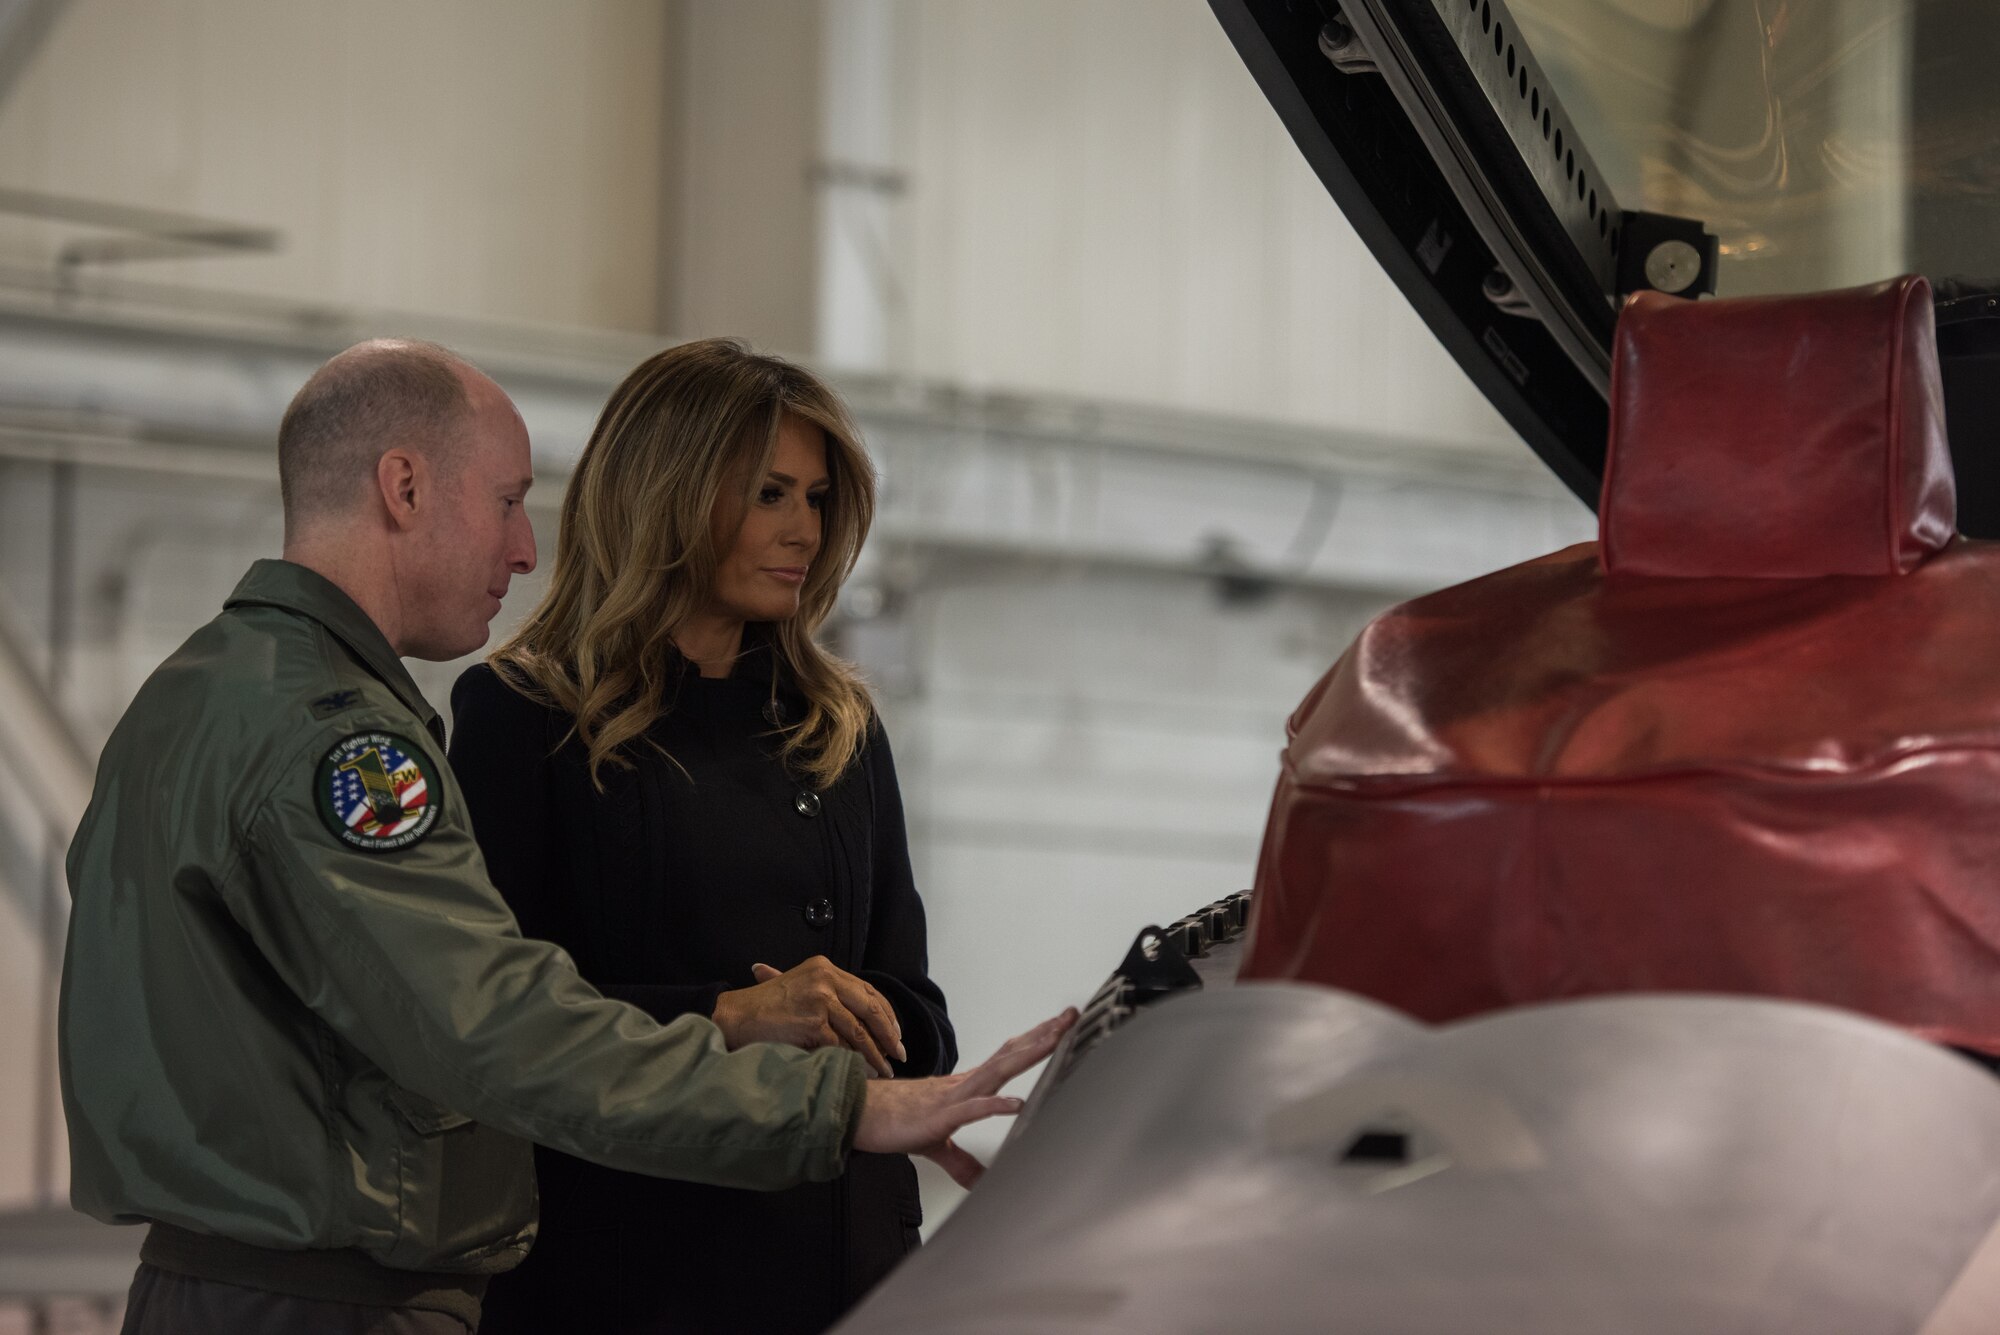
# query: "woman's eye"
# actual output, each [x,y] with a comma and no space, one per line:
[817,500]
[771,495]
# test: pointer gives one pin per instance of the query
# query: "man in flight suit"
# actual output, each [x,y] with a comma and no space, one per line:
[301,1036]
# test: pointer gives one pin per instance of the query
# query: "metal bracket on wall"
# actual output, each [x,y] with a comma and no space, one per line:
[148,234]
[24,27]
[36,738]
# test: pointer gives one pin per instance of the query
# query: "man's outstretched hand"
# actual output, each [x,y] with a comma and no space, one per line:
[919,1116]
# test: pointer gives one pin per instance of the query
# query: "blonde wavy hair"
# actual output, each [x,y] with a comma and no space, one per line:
[689,429]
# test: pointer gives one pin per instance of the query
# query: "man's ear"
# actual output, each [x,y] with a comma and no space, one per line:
[403,480]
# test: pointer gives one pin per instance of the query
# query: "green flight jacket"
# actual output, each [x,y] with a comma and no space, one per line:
[295,1013]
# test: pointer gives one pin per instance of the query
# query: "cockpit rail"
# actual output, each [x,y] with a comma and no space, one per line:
[1161,963]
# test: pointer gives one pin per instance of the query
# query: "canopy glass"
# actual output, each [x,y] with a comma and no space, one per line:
[1825,142]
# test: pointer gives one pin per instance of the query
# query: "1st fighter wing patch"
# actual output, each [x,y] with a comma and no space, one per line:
[377,792]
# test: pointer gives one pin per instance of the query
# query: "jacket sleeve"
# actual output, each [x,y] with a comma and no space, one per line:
[502,753]
[896,959]
[666,1002]
[412,956]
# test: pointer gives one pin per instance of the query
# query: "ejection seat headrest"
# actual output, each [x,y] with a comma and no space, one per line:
[1777,437]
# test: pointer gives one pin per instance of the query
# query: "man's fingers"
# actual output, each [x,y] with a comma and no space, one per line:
[963,1114]
[1058,1025]
[855,1035]
[916,1116]
[874,1010]
[763,973]
[1017,1054]
[963,1168]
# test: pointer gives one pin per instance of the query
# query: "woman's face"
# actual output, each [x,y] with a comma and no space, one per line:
[763,566]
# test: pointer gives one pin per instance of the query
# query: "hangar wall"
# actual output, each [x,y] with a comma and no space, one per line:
[1156,435]
[1195,260]
[1079,198]
[497,159]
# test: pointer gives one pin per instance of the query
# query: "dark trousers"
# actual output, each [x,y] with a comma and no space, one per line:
[164,1303]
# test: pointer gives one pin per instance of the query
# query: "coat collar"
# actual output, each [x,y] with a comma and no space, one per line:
[756,664]
[293,588]
[758,671]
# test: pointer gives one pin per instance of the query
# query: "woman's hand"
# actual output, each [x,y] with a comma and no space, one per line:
[919,1116]
[816,1005]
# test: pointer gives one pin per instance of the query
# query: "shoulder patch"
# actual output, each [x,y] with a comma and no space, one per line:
[378,792]
[329,705]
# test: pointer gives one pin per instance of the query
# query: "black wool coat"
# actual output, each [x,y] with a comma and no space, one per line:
[665,888]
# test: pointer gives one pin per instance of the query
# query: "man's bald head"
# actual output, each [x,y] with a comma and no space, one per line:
[376,396]
[405,473]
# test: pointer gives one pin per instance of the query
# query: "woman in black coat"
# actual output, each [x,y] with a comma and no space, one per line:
[672,781]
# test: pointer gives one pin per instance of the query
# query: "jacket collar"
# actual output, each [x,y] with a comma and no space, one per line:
[293,588]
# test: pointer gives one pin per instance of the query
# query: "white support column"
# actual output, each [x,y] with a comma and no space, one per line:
[739,249]
[862,181]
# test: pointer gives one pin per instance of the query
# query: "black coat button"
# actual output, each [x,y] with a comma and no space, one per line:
[806,803]
[819,913]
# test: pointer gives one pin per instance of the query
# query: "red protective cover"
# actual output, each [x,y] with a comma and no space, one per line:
[1777,436]
[1560,780]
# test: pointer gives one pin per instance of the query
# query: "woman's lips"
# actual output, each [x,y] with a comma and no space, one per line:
[789,574]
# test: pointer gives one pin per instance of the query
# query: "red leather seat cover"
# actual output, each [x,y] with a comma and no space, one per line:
[1777,436]
[1557,780]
